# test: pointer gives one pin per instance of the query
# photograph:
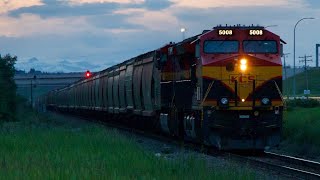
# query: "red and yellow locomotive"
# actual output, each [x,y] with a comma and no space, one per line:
[221,87]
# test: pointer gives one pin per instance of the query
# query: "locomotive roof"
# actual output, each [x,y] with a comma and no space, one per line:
[238,26]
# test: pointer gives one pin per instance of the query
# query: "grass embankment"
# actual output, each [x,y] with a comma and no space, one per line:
[39,147]
[302,131]
[301,83]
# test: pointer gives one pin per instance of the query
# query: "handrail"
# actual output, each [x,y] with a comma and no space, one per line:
[207,92]
[281,96]
[253,93]
[236,93]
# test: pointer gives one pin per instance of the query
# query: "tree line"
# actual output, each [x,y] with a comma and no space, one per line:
[7,87]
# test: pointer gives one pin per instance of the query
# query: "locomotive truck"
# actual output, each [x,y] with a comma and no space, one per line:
[222,88]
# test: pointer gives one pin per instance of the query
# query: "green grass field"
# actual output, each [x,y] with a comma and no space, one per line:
[302,131]
[314,83]
[47,148]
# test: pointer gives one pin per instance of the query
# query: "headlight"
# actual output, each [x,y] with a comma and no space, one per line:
[224,101]
[243,61]
[243,64]
[243,67]
[265,101]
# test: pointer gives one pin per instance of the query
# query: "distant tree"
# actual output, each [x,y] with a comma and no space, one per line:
[20,72]
[7,87]
[32,71]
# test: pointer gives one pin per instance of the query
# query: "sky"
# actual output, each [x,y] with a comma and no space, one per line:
[101,33]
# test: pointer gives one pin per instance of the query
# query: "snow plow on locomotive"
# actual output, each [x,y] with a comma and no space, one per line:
[221,88]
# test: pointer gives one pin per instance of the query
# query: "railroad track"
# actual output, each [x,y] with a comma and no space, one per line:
[282,164]
[286,165]
[301,167]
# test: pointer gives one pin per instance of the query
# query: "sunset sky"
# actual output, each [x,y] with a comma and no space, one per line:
[105,32]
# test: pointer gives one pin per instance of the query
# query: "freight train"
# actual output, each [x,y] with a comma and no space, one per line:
[222,88]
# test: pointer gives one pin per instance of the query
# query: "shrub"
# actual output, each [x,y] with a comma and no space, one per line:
[305,103]
[301,131]
[7,88]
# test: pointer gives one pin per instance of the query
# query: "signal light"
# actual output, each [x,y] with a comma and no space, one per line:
[88,74]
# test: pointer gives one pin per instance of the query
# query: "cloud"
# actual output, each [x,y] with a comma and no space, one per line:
[100,31]
[205,4]
[112,21]
[33,25]
[9,5]
[61,9]
[157,4]
[151,20]
[314,4]
[80,2]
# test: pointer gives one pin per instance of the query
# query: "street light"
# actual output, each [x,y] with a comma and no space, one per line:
[294,55]
[271,26]
[183,30]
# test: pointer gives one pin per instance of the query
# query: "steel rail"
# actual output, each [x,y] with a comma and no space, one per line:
[294,160]
[286,170]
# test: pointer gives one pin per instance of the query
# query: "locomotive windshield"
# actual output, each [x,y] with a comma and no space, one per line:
[260,46]
[218,46]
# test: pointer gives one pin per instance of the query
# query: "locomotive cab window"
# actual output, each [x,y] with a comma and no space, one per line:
[220,46]
[251,46]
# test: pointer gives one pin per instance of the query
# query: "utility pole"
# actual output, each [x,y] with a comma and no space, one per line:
[317,55]
[31,95]
[294,55]
[31,89]
[305,60]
